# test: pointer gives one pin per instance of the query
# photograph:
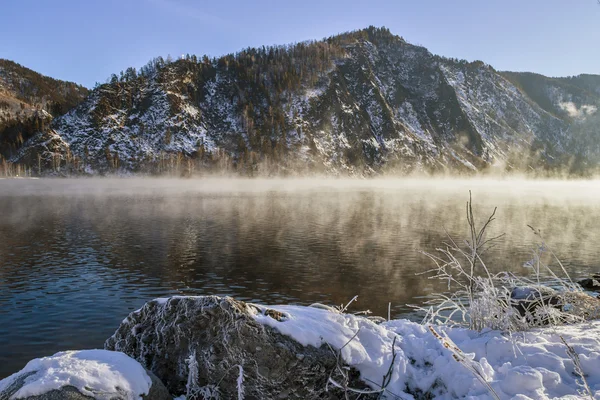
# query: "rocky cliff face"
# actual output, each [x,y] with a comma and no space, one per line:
[360,103]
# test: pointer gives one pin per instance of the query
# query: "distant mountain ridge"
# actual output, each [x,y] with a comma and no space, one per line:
[359,103]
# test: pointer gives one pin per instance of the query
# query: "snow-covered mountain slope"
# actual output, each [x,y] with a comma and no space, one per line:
[28,102]
[359,103]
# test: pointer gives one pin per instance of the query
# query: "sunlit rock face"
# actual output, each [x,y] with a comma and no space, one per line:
[360,103]
[202,346]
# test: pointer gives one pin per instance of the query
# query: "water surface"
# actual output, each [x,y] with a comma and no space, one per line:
[76,256]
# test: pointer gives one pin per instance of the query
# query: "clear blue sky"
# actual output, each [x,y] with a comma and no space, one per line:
[87,40]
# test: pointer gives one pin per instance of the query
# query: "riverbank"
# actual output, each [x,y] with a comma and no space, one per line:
[210,346]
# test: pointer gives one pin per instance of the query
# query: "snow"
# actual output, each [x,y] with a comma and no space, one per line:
[577,112]
[528,365]
[505,120]
[97,373]
[313,92]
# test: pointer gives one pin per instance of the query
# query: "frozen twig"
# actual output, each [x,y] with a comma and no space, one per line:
[577,366]
[465,361]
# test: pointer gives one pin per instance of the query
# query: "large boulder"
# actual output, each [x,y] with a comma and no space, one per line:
[213,347]
[83,375]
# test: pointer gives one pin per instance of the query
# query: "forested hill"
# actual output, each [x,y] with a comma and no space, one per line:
[28,102]
[359,103]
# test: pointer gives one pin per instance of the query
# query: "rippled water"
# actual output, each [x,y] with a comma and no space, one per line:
[76,256]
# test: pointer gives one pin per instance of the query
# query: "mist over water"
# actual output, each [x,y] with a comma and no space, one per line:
[77,255]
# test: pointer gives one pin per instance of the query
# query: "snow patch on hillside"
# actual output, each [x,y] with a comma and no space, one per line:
[578,112]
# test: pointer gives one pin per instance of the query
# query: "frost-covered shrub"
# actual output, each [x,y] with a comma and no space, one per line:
[504,301]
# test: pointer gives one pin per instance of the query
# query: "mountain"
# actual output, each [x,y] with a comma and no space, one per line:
[359,103]
[28,103]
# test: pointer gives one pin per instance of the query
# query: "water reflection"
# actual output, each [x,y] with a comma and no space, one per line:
[74,261]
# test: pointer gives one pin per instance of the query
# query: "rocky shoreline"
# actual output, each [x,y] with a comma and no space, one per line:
[201,347]
[210,347]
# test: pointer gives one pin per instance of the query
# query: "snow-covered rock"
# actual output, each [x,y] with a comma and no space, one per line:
[528,365]
[210,346]
[83,375]
[280,347]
